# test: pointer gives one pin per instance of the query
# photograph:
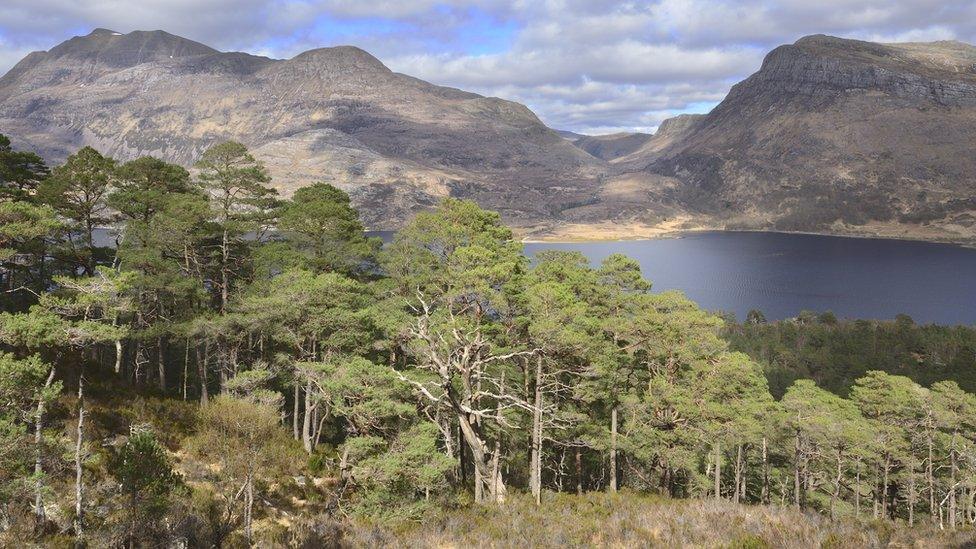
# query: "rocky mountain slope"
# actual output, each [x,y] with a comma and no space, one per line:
[835,135]
[395,143]
[830,135]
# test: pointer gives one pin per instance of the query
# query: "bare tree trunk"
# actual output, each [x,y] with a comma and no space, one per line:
[579,471]
[186,365]
[38,452]
[718,470]
[118,356]
[857,489]
[796,471]
[911,498]
[535,457]
[738,473]
[837,480]
[79,486]
[884,488]
[296,409]
[931,478]
[224,271]
[479,457]
[764,496]
[613,449]
[952,483]
[202,372]
[248,506]
[161,363]
[307,420]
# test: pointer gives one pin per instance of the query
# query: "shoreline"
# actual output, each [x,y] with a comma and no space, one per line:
[680,233]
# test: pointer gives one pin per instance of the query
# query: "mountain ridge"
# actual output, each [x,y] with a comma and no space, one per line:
[830,135]
[397,144]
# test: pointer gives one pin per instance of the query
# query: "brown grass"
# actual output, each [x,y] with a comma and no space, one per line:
[633,520]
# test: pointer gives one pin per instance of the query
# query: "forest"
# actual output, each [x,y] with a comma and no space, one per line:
[233,368]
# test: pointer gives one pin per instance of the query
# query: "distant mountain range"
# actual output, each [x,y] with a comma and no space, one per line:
[830,135]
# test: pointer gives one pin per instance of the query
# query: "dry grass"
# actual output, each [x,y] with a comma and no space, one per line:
[632,520]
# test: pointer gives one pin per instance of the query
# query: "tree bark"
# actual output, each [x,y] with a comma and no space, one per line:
[837,480]
[738,473]
[535,465]
[796,471]
[296,408]
[718,470]
[161,363]
[38,453]
[79,486]
[118,356]
[613,449]
[764,496]
[579,471]
[930,477]
[307,420]
[202,372]
[497,489]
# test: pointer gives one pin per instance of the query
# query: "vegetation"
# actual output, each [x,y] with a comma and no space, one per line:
[237,369]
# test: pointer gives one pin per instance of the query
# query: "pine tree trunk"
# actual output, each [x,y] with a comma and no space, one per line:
[296,408]
[118,356]
[224,271]
[79,486]
[248,507]
[161,363]
[738,473]
[479,457]
[38,453]
[931,479]
[796,471]
[579,471]
[952,483]
[535,467]
[613,449]
[186,366]
[307,420]
[884,488]
[718,471]
[837,479]
[202,372]
[764,497]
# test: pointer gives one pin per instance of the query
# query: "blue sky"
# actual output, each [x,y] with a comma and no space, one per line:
[593,66]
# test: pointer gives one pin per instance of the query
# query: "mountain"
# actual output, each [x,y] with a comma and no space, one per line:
[612,146]
[395,143]
[834,135]
[829,135]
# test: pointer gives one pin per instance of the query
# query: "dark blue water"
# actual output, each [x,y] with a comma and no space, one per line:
[783,274]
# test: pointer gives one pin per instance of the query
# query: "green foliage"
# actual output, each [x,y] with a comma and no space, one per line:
[147,485]
[834,354]
[392,386]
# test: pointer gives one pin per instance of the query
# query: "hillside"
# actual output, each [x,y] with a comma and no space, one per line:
[395,143]
[835,135]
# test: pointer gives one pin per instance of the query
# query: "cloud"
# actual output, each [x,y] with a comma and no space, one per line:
[585,65]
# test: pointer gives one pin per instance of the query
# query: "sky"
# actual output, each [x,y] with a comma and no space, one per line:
[591,66]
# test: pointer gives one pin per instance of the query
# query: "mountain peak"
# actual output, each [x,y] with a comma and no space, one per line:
[111,48]
[342,56]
